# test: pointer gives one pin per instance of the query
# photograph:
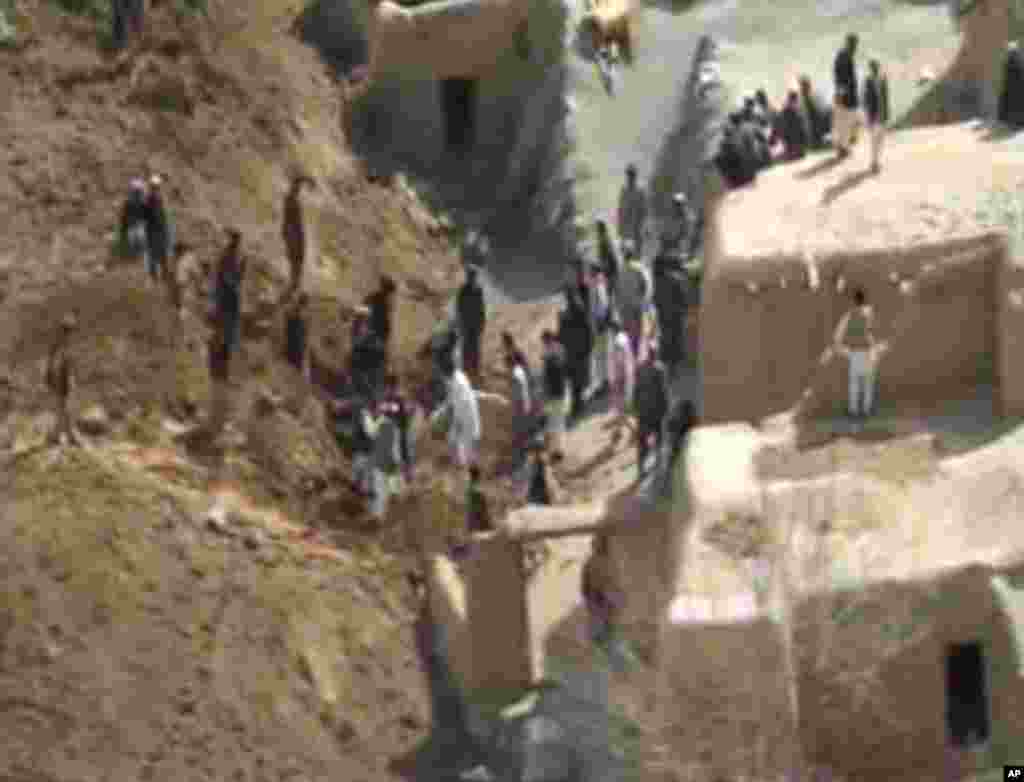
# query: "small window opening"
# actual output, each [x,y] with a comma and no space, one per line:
[966,695]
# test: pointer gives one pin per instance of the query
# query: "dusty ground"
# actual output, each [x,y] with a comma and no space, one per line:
[136,640]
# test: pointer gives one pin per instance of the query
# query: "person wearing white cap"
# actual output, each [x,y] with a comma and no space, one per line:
[159,234]
[133,222]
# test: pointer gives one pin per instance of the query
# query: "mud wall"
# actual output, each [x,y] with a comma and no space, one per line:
[497,618]
[872,682]
[1010,289]
[725,698]
[763,348]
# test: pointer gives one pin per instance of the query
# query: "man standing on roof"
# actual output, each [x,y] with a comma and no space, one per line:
[876,108]
[159,233]
[846,120]
[632,216]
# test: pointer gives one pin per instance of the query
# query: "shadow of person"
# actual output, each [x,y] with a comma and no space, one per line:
[843,186]
[822,166]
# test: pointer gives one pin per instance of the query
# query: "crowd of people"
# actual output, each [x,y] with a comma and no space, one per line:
[758,134]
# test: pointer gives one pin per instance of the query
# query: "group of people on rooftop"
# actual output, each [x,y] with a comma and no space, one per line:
[757,134]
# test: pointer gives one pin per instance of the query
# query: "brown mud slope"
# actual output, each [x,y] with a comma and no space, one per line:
[137,641]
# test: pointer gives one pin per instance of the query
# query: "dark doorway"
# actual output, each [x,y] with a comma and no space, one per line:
[458,110]
[966,695]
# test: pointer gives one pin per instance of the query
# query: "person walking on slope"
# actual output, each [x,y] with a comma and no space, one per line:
[671,299]
[134,217]
[381,306]
[60,379]
[471,314]
[855,339]
[387,458]
[652,403]
[159,233]
[296,336]
[622,377]
[846,119]
[463,410]
[632,215]
[230,275]
[634,295]
[556,387]
[293,230]
[600,309]
[876,110]
[608,259]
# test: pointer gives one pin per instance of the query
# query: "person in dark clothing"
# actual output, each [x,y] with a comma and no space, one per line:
[734,160]
[402,413]
[846,117]
[791,129]
[556,382]
[60,374]
[159,234]
[876,110]
[368,358]
[652,402]
[577,335]
[608,259]
[671,299]
[681,421]
[296,333]
[1011,96]
[126,19]
[538,490]
[219,357]
[818,121]
[230,275]
[478,514]
[293,230]
[380,304]
[764,109]
[132,229]
[471,315]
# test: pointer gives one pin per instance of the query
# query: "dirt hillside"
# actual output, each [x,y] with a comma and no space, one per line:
[138,639]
